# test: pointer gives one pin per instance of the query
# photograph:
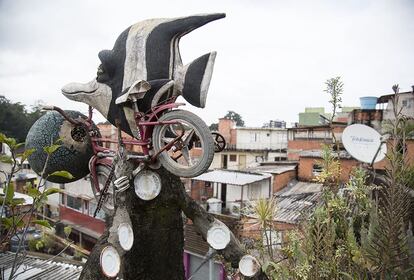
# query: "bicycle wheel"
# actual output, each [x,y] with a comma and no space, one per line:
[189,156]
[102,173]
[219,142]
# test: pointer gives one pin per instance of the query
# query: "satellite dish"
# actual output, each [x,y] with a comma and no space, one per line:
[147,185]
[218,236]
[364,143]
[110,262]
[125,236]
[248,266]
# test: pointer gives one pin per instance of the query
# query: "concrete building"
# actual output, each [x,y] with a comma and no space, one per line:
[313,116]
[77,206]
[405,103]
[249,146]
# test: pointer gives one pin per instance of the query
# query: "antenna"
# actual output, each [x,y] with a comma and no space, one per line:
[364,143]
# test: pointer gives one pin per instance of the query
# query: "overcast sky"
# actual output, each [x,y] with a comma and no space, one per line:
[273,56]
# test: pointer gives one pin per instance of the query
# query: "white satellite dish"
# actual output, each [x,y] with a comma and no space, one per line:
[147,185]
[218,236]
[125,236]
[364,143]
[248,266]
[110,262]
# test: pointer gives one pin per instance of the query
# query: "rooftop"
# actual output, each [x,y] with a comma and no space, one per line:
[273,169]
[28,199]
[231,177]
[318,154]
[387,97]
[38,268]
[295,201]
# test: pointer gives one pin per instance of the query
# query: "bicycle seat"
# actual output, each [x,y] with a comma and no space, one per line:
[136,91]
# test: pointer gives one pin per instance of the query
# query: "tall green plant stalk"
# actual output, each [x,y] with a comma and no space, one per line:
[387,243]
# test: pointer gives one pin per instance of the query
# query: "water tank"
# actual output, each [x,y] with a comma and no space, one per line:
[214,205]
[368,102]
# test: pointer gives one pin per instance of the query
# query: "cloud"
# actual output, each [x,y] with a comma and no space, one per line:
[273,56]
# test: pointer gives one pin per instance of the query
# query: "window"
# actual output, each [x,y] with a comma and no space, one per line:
[255,191]
[74,202]
[85,206]
[62,198]
[233,157]
[316,169]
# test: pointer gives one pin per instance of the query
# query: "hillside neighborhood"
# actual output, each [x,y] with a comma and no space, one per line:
[273,161]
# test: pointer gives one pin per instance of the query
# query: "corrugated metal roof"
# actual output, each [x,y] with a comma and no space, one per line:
[291,209]
[36,268]
[296,200]
[298,188]
[275,169]
[318,154]
[230,177]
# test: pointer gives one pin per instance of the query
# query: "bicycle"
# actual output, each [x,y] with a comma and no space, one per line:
[177,139]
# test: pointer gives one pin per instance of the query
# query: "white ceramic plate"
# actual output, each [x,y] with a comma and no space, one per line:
[110,261]
[125,236]
[248,266]
[147,185]
[218,236]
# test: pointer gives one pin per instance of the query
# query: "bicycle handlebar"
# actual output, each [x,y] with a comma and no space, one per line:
[60,111]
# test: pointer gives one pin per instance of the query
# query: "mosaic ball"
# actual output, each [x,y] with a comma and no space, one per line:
[74,153]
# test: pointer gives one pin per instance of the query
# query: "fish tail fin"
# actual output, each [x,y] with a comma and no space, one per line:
[194,79]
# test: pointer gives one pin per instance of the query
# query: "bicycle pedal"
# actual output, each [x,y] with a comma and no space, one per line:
[121,184]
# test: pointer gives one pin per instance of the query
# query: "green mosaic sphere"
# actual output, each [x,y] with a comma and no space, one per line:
[74,153]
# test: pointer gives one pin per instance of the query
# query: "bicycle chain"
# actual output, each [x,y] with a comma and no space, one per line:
[105,189]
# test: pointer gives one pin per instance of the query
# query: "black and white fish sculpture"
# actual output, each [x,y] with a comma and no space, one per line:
[147,51]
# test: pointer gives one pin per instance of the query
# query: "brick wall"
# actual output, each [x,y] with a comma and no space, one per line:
[280,180]
[298,145]
[199,189]
[225,126]
[306,166]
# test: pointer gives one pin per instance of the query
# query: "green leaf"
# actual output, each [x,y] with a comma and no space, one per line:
[26,154]
[43,223]
[6,159]
[10,193]
[51,149]
[2,138]
[17,201]
[18,145]
[62,173]
[11,142]
[33,192]
[7,222]
[52,191]
[67,230]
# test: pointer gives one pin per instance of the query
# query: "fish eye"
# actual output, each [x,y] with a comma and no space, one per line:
[100,70]
[101,74]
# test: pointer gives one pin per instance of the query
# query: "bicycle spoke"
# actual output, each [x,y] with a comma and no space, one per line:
[186,155]
[187,137]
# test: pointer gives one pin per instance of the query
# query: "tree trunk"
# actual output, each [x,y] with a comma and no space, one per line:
[157,252]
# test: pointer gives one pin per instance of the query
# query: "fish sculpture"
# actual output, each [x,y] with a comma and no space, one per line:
[147,53]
